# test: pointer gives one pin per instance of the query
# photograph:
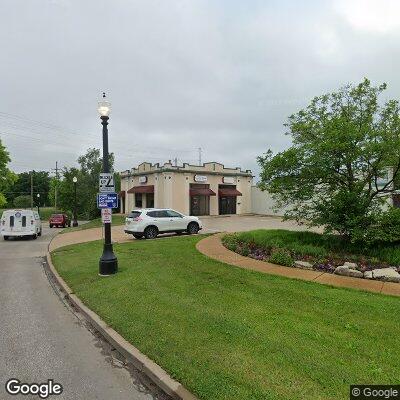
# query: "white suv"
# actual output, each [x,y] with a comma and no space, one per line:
[149,222]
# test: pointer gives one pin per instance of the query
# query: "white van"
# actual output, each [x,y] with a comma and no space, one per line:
[17,223]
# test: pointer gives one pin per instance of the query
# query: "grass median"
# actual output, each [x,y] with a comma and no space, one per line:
[96,223]
[228,333]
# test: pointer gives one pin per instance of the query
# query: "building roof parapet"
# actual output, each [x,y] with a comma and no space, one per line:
[213,168]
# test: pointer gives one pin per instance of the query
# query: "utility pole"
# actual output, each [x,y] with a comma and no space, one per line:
[56,185]
[176,161]
[199,155]
[56,188]
[31,190]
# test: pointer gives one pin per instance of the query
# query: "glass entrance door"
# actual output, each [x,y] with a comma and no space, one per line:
[199,205]
[227,205]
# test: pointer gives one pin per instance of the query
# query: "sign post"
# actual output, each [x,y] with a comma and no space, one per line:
[108,263]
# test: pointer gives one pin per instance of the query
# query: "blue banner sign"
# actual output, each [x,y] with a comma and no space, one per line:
[107,200]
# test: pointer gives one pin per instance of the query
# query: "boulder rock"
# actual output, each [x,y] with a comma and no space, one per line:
[303,264]
[346,271]
[383,274]
[351,265]
[368,275]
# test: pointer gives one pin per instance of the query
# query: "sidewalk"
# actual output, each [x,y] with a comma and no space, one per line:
[212,247]
[88,235]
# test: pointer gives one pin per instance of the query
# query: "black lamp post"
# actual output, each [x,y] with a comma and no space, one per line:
[108,263]
[75,222]
[38,201]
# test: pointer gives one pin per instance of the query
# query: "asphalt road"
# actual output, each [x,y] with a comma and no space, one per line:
[41,338]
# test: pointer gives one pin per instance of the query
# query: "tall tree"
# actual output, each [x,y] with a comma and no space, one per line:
[90,166]
[41,185]
[7,177]
[344,143]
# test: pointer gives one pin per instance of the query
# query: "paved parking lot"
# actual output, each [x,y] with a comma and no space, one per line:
[238,223]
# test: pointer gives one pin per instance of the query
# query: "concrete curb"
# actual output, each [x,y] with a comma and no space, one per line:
[152,370]
[212,247]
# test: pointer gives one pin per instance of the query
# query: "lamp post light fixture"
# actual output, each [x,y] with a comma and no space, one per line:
[75,222]
[38,200]
[108,263]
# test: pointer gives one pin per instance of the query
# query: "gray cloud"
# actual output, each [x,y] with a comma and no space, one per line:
[221,75]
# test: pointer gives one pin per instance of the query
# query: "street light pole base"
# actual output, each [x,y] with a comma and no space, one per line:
[108,263]
[75,224]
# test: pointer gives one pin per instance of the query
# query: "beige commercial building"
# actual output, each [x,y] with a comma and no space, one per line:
[209,189]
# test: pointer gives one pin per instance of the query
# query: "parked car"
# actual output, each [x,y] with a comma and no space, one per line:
[62,220]
[18,223]
[149,222]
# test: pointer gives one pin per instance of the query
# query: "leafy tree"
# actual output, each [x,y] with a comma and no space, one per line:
[22,201]
[54,182]
[7,177]
[66,191]
[90,166]
[41,184]
[343,143]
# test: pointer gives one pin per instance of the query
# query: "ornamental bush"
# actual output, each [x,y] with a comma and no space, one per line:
[386,229]
[281,257]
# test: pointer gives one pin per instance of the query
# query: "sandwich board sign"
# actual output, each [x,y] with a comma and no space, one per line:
[106,183]
[106,215]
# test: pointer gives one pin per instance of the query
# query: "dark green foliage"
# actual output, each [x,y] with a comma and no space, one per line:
[7,178]
[22,187]
[386,229]
[343,144]
[316,246]
[22,202]
[281,257]
[90,166]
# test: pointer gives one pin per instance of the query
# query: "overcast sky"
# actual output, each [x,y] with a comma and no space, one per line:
[220,75]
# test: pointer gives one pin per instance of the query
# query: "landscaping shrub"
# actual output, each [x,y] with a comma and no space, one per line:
[243,249]
[315,247]
[230,242]
[386,229]
[281,257]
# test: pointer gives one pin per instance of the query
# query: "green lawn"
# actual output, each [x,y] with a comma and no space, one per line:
[318,246]
[229,333]
[96,223]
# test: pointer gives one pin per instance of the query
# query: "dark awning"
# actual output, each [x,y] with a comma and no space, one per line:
[202,192]
[122,194]
[229,192]
[142,189]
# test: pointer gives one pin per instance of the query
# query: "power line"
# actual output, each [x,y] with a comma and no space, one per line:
[63,131]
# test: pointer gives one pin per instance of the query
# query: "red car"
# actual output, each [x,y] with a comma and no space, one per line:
[59,220]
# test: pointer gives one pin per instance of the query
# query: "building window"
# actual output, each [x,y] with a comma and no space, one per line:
[138,200]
